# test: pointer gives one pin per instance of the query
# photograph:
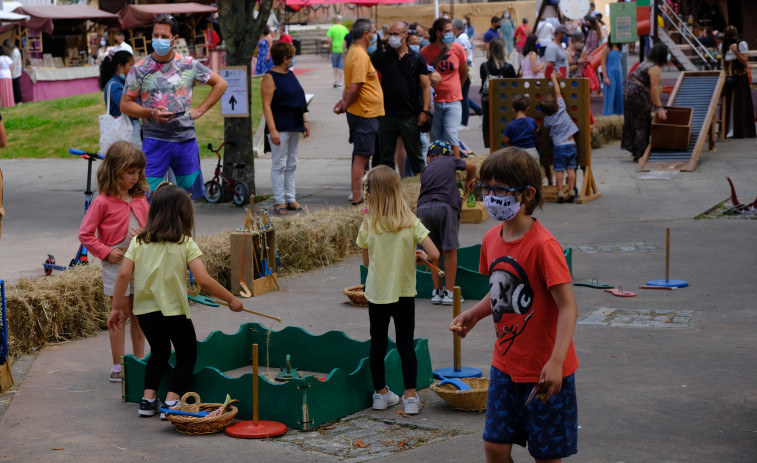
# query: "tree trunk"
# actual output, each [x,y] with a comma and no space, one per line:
[241,34]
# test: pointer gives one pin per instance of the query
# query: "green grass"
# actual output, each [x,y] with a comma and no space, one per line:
[47,129]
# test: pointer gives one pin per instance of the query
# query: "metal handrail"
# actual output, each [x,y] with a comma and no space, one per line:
[687,35]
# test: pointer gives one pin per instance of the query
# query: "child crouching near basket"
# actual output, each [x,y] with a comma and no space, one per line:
[534,311]
[157,258]
[388,236]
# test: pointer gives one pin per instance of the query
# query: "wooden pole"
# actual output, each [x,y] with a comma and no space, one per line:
[457,361]
[254,385]
[667,254]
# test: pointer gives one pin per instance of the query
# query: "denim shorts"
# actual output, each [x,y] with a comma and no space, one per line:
[446,122]
[550,428]
[337,60]
[565,157]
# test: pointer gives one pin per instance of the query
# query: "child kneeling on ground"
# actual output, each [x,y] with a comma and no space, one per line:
[534,311]
[439,205]
[562,128]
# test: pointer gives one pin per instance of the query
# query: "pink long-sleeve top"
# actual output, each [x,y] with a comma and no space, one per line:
[108,216]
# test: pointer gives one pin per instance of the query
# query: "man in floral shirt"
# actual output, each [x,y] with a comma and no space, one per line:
[159,91]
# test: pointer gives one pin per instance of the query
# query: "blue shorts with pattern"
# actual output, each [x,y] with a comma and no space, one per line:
[550,429]
[565,157]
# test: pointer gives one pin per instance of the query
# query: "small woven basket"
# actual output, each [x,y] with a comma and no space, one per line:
[471,401]
[204,425]
[357,295]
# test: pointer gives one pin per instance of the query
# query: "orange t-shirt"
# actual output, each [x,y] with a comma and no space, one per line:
[524,312]
[359,69]
[450,88]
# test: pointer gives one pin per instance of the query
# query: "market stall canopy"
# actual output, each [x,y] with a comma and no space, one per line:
[8,16]
[297,4]
[142,15]
[42,17]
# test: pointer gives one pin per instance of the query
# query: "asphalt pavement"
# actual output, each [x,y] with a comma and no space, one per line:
[665,376]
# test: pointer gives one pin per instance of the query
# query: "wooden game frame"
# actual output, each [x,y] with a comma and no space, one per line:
[575,92]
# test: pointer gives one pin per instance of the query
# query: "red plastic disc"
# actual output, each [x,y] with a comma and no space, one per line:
[250,430]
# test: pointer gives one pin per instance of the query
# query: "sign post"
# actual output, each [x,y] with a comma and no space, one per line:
[234,102]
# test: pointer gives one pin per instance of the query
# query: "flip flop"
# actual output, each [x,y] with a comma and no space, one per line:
[620,293]
[280,210]
[297,208]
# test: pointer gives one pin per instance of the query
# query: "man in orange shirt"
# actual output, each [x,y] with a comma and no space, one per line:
[362,100]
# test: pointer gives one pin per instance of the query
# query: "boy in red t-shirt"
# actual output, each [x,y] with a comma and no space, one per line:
[534,311]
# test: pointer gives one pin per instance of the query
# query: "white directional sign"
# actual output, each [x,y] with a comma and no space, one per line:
[234,99]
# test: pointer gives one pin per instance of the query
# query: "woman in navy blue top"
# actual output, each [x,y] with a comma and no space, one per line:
[113,71]
[284,108]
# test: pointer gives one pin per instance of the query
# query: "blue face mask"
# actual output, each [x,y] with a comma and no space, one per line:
[291,63]
[372,45]
[122,76]
[415,48]
[449,37]
[161,46]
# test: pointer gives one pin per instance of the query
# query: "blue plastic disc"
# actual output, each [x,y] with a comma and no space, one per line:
[668,283]
[464,372]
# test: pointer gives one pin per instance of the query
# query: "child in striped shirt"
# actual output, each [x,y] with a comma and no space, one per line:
[561,129]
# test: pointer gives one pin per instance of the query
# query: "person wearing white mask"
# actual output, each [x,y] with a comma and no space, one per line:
[159,91]
[121,43]
[404,75]
[450,60]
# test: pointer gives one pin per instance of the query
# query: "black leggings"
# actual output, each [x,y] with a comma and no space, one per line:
[403,313]
[160,332]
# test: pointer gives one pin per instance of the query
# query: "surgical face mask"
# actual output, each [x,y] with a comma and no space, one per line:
[102,43]
[291,63]
[395,41]
[449,37]
[579,45]
[507,15]
[415,48]
[161,46]
[122,76]
[502,207]
[669,57]
[372,45]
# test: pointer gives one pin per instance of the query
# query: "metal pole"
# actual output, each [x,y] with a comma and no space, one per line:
[457,361]
[667,254]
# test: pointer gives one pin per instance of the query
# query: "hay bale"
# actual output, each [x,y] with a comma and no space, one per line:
[62,307]
[606,129]
[216,251]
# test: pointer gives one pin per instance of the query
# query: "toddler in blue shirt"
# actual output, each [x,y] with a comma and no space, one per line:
[522,132]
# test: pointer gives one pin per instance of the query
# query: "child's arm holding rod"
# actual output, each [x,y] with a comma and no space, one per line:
[210,285]
[556,84]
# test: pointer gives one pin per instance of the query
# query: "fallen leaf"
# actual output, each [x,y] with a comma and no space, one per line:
[389,442]
[402,443]
[327,428]
[359,444]
[400,412]
[57,448]
[615,356]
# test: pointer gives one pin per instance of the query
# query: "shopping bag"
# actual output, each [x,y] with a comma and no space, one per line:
[591,74]
[113,129]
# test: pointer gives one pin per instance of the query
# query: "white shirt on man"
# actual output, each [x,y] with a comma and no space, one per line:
[17,66]
[123,46]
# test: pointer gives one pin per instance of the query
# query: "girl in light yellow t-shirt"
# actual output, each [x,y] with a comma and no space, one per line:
[158,258]
[388,236]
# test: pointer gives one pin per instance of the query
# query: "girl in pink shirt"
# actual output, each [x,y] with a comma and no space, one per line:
[114,217]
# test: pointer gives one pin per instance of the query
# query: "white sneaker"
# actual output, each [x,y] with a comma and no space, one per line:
[382,402]
[349,196]
[412,405]
[463,128]
[448,299]
[436,296]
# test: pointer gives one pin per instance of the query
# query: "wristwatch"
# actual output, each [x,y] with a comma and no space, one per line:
[428,113]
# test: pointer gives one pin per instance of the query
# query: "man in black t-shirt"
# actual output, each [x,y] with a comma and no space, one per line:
[405,77]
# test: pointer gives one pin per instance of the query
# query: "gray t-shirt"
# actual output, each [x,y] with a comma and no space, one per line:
[556,54]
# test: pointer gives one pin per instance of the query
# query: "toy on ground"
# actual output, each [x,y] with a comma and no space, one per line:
[457,370]
[470,400]
[256,429]
[288,373]
[667,282]
[81,257]
[620,293]
[301,403]
[356,295]
[594,283]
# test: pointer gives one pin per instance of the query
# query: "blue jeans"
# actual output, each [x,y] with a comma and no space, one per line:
[446,122]
[468,103]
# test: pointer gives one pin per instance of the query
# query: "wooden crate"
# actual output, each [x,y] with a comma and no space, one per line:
[674,132]
[247,262]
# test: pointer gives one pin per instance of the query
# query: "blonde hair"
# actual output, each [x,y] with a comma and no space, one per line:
[120,157]
[387,209]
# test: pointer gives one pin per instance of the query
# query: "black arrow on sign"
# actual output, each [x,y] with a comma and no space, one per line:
[232,102]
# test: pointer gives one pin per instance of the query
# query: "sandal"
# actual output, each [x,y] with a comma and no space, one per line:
[295,206]
[358,203]
[280,210]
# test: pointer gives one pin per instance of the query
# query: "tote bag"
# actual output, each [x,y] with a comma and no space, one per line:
[113,129]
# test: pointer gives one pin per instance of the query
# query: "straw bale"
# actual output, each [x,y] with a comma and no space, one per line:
[606,129]
[62,307]
[217,256]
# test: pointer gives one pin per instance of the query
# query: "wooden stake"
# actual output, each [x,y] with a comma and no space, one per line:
[254,385]
[457,361]
[667,254]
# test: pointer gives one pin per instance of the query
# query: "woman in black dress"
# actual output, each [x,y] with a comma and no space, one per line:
[738,93]
[641,97]
[495,68]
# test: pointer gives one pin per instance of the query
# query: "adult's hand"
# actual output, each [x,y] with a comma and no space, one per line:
[195,113]
[275,138]
[422,118]
[162,115]
[338,107]
[306,133]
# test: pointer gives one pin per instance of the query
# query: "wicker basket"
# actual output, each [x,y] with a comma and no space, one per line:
[356,295]
[205,425]
[473,400]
